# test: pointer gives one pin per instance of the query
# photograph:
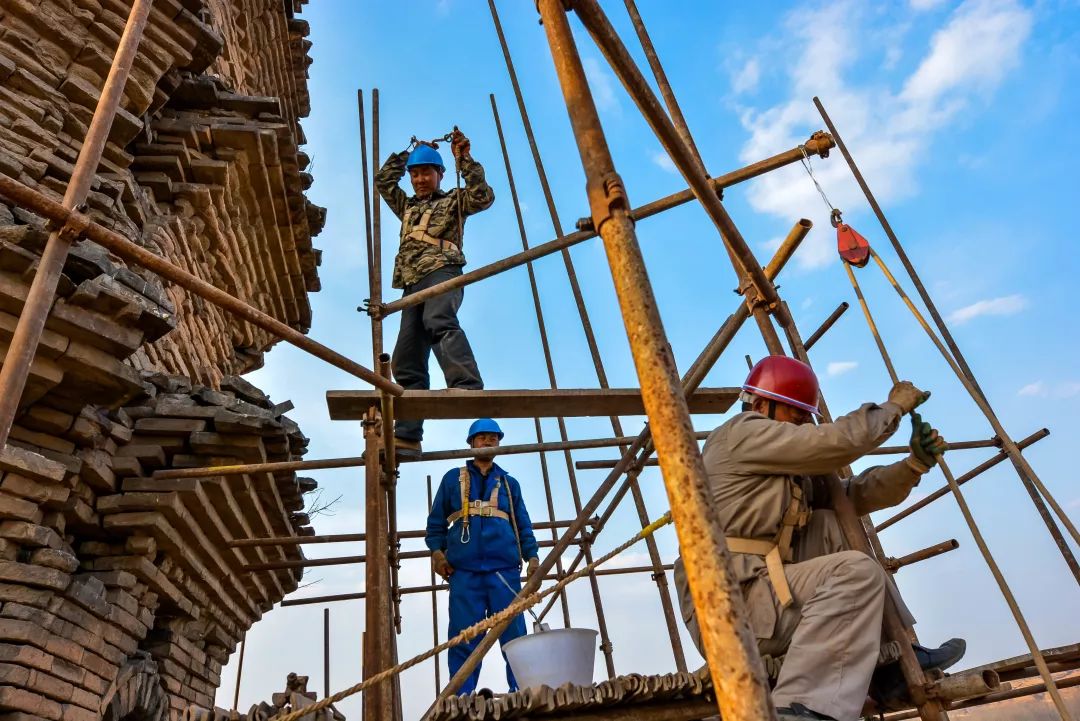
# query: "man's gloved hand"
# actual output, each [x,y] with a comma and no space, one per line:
[926,443]
[530,569]
[440,565]
[907,396]
[459,145]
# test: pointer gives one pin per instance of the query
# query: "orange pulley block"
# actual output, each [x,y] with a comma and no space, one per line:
[853,248]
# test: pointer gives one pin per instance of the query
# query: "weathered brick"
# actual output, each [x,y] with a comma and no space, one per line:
[54,558]
[19,699]
[19,509]
[24,594]
[30,534]
[30,464]
[34,575]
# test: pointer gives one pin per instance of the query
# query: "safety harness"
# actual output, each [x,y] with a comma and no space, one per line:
[484,509]
[777,551]
[419,231]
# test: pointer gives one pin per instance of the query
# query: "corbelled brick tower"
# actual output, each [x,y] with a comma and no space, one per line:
[120,594]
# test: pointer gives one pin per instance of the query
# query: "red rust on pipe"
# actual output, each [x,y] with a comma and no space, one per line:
[121,246]
[39,300]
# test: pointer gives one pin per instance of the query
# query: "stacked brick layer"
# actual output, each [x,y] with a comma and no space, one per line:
[120,597]
[198,168]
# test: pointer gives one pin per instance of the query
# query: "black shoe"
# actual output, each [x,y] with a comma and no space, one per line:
[942,657]
[888,687]
[798,711]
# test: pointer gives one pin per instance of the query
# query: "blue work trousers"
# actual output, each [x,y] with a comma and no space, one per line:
[473,597]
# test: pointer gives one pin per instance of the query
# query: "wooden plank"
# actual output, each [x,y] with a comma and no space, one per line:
[351,405]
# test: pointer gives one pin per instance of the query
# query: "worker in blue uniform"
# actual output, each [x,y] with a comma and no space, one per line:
[479,533]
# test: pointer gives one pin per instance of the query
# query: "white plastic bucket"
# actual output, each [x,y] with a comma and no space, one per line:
[553,658]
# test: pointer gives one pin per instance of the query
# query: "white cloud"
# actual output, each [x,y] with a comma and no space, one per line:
[663,161]
[838,368]
[1038,388]
[745,79]
[922,5]
[1007,305]
[1068,389]
[602,84]
[890,130]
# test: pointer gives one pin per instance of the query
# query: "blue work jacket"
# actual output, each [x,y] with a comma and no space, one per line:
[491,545]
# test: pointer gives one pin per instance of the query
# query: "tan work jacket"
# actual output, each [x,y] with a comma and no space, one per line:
[755,463]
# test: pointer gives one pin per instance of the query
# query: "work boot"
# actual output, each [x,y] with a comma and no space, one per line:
[888,687]
[406,449]
[798,711]
[942,657]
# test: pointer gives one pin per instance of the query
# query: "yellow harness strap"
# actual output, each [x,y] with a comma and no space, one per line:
[777,552]
[485,509]
[419,231]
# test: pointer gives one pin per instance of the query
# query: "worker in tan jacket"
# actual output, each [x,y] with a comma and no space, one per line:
[807,596]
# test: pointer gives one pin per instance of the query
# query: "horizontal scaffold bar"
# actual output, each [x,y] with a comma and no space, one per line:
[415,405]
[882,451]
[317,464]
[354,537]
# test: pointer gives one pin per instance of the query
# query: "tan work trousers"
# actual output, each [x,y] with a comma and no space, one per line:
[830,635]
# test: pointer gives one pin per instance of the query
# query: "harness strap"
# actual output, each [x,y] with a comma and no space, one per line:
[419,231]
[778,552]
[484,509]
[513,519]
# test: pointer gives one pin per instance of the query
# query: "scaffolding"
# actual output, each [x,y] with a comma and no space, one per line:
[739,679]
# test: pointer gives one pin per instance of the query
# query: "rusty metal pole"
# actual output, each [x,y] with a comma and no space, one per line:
[434,607]
[590,338]
[378,700]
[239,673]
[39,300]
[366,182]
[1027,475]
[326,652]
[826,325]
[738,675]
[960,480]
[674,110]
[375,279]
[895,564]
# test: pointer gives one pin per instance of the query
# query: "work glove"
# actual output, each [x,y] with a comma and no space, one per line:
[459,145]
[440,565]
[926,443]
[907,396]
[530,569]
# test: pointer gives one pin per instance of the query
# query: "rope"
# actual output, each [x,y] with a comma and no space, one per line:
[976,533]
[475,630]
[810,170]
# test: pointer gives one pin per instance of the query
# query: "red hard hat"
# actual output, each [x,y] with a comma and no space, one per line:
[786,380]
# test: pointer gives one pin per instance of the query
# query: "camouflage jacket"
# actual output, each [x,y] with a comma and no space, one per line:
[416,258]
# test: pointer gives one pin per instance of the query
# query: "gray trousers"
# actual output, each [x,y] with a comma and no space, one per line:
[433,326]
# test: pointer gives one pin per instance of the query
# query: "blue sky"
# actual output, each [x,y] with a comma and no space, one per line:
[962,116]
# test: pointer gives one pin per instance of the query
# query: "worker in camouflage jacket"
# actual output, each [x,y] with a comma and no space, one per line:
[430,252]
[810,599]
[479,533]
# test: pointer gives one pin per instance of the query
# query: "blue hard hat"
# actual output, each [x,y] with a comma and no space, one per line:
[425,155]
[483,425]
